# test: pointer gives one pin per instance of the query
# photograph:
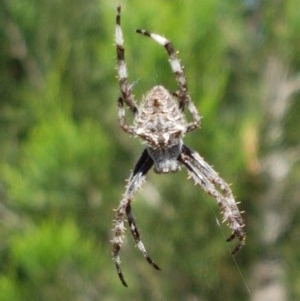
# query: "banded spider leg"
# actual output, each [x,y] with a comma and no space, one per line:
[134,183]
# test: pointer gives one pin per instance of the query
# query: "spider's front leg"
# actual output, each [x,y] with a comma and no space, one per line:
[135,181]
[207,178]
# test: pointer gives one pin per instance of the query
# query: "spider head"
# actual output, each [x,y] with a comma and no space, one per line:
[165,159]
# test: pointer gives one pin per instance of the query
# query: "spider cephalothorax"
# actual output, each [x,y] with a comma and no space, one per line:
[159,121]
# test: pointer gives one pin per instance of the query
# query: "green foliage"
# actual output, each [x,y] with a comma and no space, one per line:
[59,160]
[42,251]
[49,261]
[64,159]
[8,289]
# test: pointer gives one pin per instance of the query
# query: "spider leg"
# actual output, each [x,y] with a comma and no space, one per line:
[135,181]
[183,96]
[125,88]
[207,178]
[136,235]
[122,120]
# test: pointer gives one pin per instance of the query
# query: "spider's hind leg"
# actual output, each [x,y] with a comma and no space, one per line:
[184,99]
[174,63]
[122,120]
[125,88]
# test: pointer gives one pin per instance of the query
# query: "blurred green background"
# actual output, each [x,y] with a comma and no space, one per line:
[64,159]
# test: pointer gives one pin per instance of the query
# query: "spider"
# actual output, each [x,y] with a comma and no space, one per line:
[159,121]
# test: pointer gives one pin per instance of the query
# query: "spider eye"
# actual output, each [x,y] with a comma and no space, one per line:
[166,166]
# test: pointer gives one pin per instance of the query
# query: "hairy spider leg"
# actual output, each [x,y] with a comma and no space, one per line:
[136,235]
[143,165]
[135,181]
[208,179]
[213,176]
[183,95]
[125,88]
[122,120]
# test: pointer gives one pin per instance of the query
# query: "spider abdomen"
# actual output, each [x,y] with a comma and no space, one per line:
[160,121]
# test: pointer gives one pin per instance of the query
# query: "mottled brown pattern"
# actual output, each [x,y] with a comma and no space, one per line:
[159,121]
